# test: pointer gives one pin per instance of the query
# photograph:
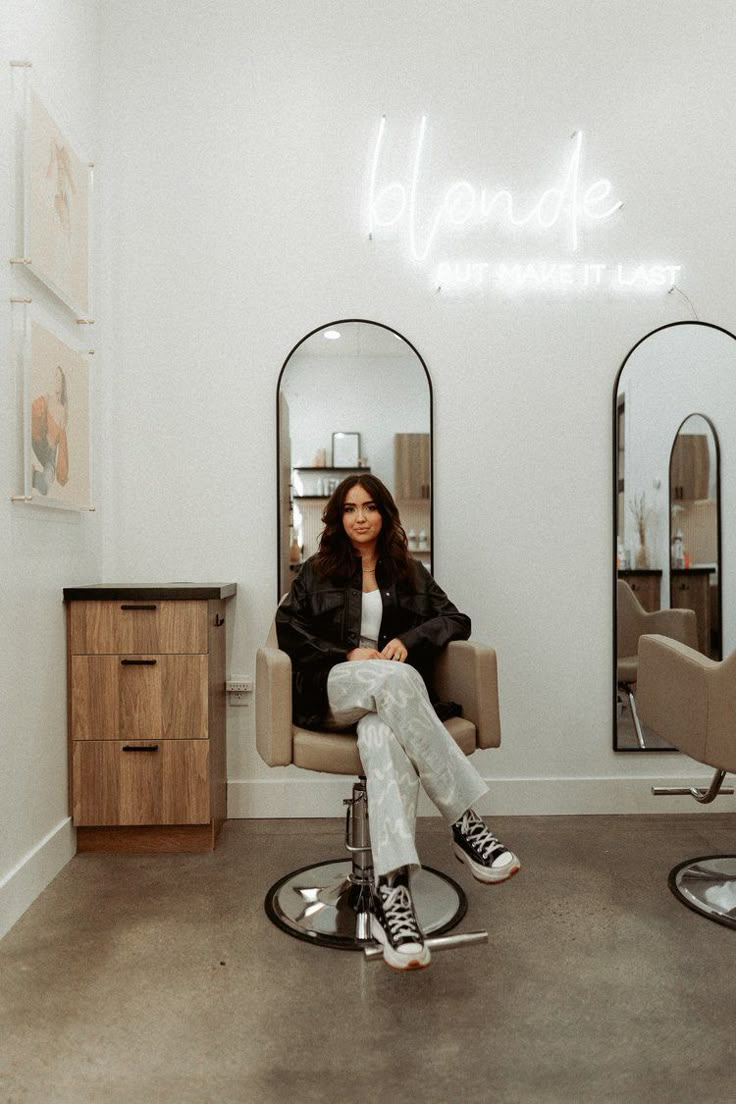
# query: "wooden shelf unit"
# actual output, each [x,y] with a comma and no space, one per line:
[146,694]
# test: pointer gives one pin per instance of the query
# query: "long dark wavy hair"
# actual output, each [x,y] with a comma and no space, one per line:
[336,556]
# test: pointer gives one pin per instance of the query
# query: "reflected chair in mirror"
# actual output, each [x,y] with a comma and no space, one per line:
[632,622]
[690,701]
[328,903]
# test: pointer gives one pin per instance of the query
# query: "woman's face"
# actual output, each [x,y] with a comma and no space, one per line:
[361,519]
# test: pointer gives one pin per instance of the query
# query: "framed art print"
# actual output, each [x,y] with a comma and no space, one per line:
[56,418]
[56,208]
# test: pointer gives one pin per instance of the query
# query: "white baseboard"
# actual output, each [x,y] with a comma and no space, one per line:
[20,887]
[323,796]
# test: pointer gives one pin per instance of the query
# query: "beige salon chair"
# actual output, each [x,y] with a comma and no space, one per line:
[632,622]
[328,903]
[690,700]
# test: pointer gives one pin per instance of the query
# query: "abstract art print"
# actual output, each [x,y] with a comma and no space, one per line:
[57,419]
[57,209]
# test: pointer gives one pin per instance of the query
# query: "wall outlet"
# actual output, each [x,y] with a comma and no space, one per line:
[239,690]
[239,686]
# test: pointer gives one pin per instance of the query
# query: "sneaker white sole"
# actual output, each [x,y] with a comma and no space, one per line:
[487,874]
[399,960]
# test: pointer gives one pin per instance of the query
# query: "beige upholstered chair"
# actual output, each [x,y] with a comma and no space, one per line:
[632,621]
[328,903]
[690,700]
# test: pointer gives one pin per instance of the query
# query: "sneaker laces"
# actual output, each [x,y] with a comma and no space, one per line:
[479,836]
[399,913]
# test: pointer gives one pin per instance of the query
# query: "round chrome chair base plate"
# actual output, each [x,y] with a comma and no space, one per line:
[708,885]
[321,904]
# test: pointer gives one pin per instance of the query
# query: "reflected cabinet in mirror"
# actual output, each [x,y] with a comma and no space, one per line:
[352,396]
[674,481]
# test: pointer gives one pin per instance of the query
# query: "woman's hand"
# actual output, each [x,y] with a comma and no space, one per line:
[394,650]
[364,653]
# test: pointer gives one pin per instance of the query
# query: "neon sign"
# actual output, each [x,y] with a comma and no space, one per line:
[512,276]
[561,213]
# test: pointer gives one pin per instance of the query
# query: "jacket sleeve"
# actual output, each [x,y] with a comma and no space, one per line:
[444,621]
[296,634]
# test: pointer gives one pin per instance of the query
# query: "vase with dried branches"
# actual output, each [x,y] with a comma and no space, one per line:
[639,512]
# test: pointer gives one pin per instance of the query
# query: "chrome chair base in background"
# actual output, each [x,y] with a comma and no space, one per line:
[708,886]
[329,903]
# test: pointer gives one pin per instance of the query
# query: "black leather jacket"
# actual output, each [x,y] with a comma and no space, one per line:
[318,623]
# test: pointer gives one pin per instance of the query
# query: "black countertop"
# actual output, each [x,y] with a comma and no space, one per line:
[136,592]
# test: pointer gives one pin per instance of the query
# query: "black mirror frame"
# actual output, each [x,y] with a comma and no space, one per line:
[420,358]
[614,514]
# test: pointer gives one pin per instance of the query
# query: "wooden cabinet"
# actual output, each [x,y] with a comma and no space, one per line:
[690,589]
[646,586]
[689,467]
[412,476]
[146,675]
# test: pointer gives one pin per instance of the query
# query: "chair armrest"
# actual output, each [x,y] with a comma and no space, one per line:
[467,672]
[678,624]
[689,700]
[274,732]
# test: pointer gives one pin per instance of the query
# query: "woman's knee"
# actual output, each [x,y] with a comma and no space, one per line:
[373,735]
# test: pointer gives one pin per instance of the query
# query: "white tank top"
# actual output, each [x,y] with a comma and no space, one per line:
[370,621]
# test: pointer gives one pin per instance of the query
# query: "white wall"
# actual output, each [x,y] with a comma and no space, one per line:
[43,550]
[236,136]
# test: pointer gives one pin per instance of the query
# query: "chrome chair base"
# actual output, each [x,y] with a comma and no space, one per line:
[328,905]
[708,886]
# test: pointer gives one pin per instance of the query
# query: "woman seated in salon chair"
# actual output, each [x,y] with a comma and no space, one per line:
[362,624]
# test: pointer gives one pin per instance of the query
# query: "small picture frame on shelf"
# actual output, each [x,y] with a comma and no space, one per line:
[345,450]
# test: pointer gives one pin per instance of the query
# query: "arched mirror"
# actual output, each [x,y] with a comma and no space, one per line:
[695,529]
[674,482]
[352,396]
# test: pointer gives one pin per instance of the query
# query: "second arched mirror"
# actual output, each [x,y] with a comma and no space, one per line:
[354,395]
[695,529]
[674,484]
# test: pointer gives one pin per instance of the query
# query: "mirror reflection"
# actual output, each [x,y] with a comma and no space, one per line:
[353,396]
[674,446]
[694,529]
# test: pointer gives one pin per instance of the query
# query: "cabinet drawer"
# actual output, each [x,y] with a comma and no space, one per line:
[164,782]
[137,627]
[144,697]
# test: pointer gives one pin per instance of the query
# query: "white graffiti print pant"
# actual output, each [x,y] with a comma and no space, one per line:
[402,742]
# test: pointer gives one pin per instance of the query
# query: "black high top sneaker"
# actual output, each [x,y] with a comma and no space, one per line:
[476,845]
[394,924]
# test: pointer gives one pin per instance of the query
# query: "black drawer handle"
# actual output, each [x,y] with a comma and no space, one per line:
[150,606]
[219,620]
[136,747]
[139,662]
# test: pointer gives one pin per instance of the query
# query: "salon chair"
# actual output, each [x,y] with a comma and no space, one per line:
[328,903]
[690,700]
[632,622]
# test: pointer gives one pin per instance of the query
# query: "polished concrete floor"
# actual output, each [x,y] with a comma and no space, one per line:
[137,979]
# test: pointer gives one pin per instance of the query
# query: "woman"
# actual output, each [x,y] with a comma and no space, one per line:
[362,624]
